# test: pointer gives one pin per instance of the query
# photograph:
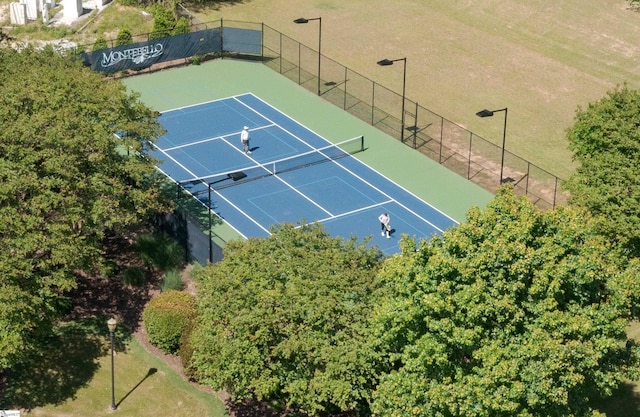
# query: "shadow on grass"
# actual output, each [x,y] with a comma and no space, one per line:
[625,402]
[69,362]
[150,372]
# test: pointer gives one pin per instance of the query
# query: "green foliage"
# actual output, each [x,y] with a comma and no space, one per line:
[159,250]
[63,184]
[516,312]
[172,280]
[41,31]
[284,319]
[134,276]
[181,27]
[164,21]
[100,43]
[186,350]
[166,317]
[60,368]
[605,140]
[124,37]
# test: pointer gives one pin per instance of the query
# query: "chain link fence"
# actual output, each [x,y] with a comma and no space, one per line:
[442,140]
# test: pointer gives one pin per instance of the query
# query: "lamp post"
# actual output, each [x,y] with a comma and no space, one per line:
[112,323]
[302,20]
[386,62]
[489,113]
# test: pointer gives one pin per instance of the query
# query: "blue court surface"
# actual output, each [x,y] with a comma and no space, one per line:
[291,175]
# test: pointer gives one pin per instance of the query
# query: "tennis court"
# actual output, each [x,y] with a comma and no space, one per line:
[292,174]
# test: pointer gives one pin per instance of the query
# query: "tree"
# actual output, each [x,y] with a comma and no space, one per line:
[516,312]
[66,182]
[605,140]
[283,319]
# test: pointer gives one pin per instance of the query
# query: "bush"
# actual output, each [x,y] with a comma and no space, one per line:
[182,26]
[166,318]
[124,37]
[134,276]
[160,251]
[100,43]
[186,353]
[163,22]
[172,280]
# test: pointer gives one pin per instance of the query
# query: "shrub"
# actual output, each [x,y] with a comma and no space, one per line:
[182,26]
[172,280]
[160,251]
[166,317]
[163,22]
[100,43]
[124,37]
[186,352]
[134,276]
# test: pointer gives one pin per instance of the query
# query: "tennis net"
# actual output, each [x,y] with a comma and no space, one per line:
[279,166]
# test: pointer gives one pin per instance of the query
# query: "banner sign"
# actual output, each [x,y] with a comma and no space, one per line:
[141,55]
[144,54]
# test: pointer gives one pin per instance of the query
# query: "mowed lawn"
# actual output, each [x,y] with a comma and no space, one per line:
[541,58]
[73,379]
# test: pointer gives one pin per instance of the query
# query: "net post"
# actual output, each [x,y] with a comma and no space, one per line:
[361,143]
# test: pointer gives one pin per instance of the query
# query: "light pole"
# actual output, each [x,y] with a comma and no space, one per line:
[386,62]
[302,20]
[489,113]
[112,323]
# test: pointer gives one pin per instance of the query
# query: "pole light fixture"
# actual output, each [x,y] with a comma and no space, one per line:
[489,113]
[386,62]
[112,323]
[302,20]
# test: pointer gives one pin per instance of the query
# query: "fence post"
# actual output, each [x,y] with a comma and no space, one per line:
[469,157]
[344,106]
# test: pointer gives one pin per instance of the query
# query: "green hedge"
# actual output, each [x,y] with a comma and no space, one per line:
[166,317]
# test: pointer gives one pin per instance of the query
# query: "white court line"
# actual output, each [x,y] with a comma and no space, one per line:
[388,196]
[361,209]
[280,126]
[196,104]
[186,145]
[241,211]
[258,164]
[236,97]
[374,170]
[173,159]
[206,206]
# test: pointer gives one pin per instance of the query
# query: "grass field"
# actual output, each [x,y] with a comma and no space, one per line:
[73,379]
[540,58]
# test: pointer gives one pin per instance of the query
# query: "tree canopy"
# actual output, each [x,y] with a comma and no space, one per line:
[605,140]
[516,312]
[65,181]
[284,319]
